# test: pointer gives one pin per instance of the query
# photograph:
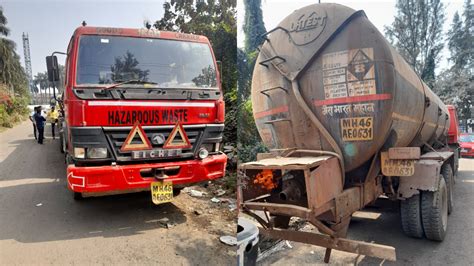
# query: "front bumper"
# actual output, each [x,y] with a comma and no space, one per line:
[467,152]
[128,178]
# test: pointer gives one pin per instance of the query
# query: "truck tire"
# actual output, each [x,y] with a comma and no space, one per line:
[434,211]
[77,196]
[68,159]
[176,191]
[61,143]
[410,216]
[448,176]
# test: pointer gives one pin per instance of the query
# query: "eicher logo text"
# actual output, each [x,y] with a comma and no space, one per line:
[147,116]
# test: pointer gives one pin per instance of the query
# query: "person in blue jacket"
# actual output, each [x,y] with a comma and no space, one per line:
[33,122]
[39,119]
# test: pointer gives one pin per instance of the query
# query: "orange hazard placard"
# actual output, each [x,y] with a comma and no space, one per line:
[129,146]
[177,139]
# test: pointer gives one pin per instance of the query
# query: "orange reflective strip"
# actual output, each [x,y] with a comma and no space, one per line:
[272,111]
[354,99]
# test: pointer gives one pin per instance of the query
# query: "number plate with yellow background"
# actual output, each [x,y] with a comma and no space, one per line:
[357,128]
[161,192]
[392,167]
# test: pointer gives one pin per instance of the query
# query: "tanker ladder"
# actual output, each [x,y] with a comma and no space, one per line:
[307,184]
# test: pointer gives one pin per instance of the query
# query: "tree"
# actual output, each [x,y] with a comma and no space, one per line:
[217,21]
[468,16]
[12,79]
[4,30]
[456,88]
[11,71]
[249,139]
[41,85]
[126,67]
[253,26]
[455,85]
[456,43]
[417,34]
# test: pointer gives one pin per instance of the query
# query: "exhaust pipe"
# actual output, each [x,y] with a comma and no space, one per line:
[291,190]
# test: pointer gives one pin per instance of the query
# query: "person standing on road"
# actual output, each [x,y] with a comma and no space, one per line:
[53,119]
[39,119]
[33,122]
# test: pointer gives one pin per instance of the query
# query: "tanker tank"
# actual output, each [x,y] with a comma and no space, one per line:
[327,79]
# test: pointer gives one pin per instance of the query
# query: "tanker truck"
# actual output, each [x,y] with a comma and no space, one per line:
[346,120]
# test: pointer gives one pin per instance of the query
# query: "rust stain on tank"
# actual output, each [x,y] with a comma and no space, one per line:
[347,72]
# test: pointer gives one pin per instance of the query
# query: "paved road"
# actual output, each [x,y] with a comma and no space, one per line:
[381,224]
[41,224]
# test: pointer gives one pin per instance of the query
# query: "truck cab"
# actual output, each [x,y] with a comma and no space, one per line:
[143,110]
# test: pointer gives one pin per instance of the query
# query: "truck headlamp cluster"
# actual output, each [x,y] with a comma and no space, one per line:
[203,153]
[96,153]
[80,153]
[90,153]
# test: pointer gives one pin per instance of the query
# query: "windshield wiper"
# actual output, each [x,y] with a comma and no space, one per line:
[130,81]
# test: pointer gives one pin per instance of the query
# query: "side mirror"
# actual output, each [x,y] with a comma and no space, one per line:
[53,68]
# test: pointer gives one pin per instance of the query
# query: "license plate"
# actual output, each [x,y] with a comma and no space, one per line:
[392,167]
[156,153]
[161,192]
[464,150]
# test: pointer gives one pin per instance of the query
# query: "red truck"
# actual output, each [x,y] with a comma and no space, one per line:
[142,110]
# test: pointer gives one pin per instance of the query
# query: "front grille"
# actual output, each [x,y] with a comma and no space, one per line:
[196,134]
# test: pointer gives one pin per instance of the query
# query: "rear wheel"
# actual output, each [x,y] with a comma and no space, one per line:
[434,211]
[61,143]
[447,173]
[176,191]
[77,196]
[410,216]
[68,159]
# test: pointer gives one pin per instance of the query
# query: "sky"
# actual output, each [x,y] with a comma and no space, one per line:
[379,12]
[50,23]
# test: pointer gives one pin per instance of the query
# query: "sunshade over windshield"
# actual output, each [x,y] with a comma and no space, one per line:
[169,63]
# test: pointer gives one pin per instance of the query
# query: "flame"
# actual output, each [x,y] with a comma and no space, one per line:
[265,179]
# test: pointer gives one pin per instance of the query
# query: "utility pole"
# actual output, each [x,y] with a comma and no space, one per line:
[29,75]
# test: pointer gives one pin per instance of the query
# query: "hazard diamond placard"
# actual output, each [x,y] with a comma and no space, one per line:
[145,142]
[177,139]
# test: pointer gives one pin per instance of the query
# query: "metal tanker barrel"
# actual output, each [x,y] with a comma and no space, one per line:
[328,64]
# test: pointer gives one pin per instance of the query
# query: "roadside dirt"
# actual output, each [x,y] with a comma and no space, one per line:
[42,224]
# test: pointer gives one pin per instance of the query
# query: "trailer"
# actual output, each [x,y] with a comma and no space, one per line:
[346,120]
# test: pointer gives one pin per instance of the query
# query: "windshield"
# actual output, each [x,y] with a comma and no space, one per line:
[467,138]
[169,63]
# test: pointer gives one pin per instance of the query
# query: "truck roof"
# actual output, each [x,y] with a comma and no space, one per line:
[140,33]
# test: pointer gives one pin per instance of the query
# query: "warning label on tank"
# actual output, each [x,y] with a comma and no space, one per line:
[357,128]
[349,70]
[365,87]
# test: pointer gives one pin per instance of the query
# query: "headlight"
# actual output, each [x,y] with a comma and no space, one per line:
[80,153]
[203,153]
[96,153]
